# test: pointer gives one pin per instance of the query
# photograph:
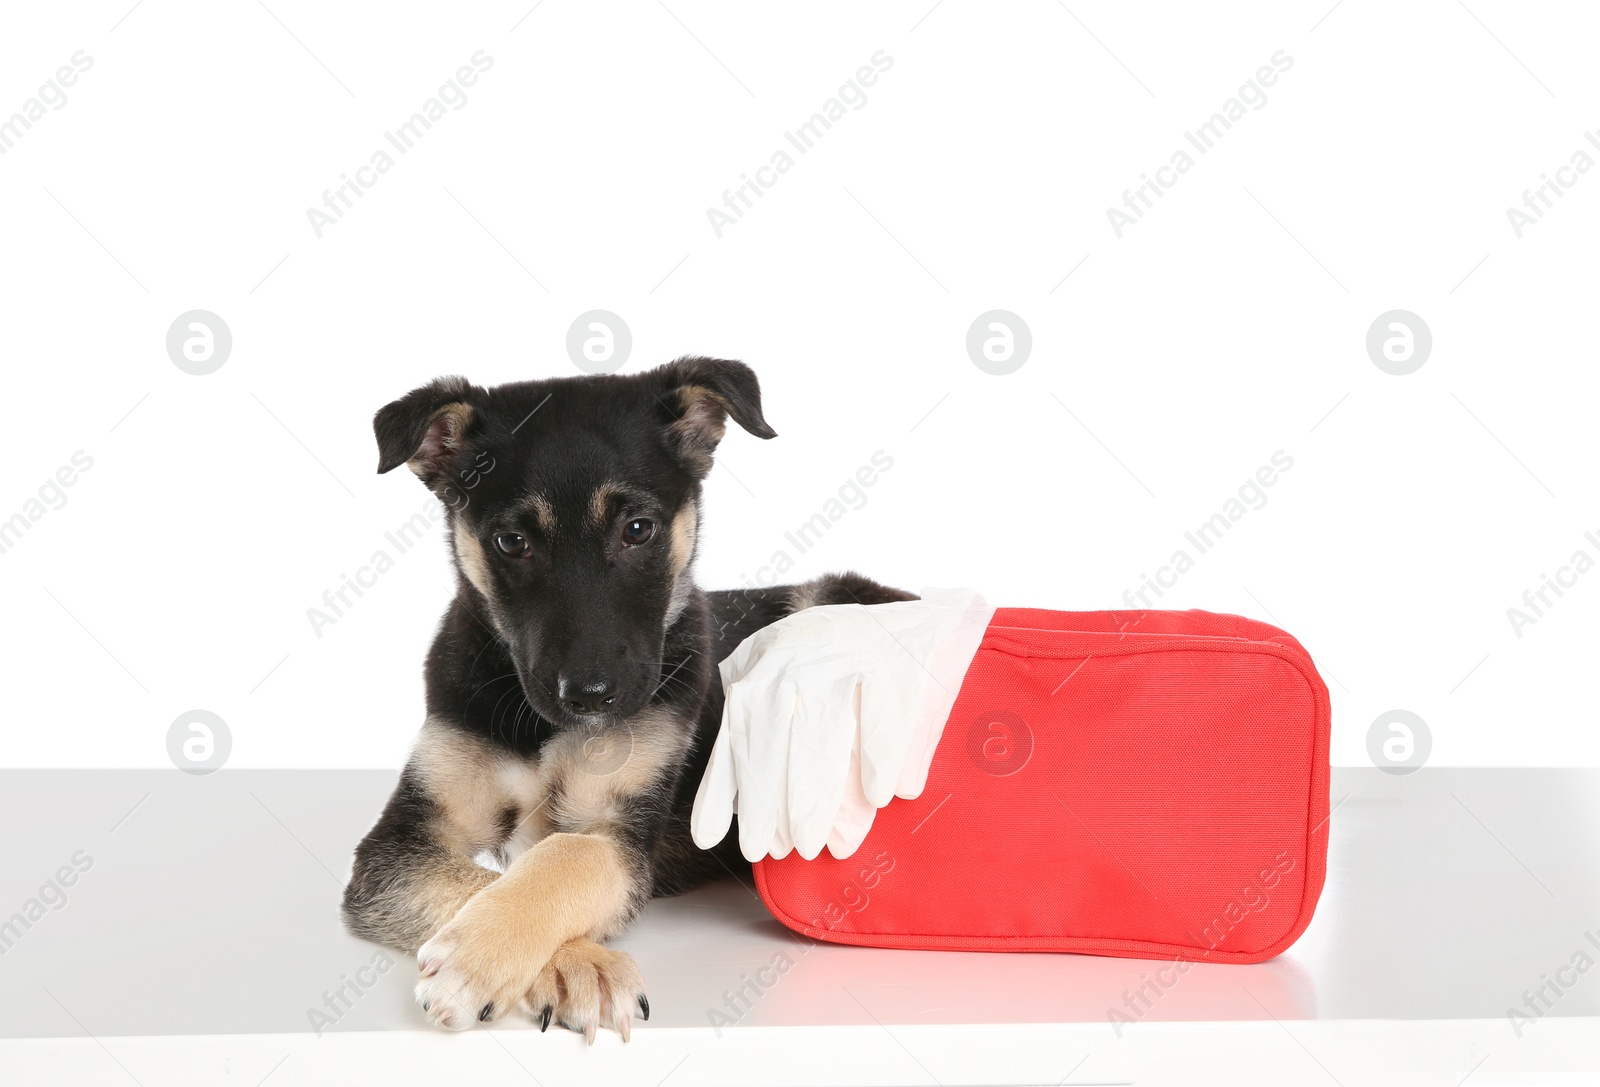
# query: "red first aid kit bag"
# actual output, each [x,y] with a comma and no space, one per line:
[1140,784]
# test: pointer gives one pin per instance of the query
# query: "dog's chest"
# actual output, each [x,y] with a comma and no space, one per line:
[524,790]
[575,784]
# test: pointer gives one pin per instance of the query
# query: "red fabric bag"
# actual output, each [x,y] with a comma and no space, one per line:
[1139,784]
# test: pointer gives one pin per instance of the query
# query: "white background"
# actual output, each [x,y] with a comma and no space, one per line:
[1166,369]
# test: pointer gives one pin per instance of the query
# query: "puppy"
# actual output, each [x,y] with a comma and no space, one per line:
[572,695]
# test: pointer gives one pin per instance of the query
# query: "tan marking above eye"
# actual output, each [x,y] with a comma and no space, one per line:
[608,497]
[600,503]
[544,514]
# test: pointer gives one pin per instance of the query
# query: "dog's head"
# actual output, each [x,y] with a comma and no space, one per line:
[574,511]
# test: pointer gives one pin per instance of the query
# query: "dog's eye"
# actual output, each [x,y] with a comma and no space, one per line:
[638,531]
[511,543]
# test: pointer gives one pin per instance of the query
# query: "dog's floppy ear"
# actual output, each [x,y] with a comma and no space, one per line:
[424,428]
[704,393]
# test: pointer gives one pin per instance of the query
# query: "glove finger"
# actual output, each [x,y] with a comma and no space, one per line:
[762,720]
[923,740]
[713,801]
[826,726]
[781,844]
[919,757]
[855,814]
[845,838]
[778,842]
[936,639]
[739,710]
[888,720]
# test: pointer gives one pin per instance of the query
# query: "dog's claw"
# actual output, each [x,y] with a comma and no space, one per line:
[488,1010]
[426,1005]
[586,987]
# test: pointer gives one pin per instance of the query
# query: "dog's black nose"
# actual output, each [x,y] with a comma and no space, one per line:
[587,694]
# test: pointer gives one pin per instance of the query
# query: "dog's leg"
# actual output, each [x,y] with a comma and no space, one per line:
[457,798]
[492,957]
[415,870]
[484,940]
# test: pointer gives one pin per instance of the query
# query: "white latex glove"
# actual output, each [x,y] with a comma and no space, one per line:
[828,714]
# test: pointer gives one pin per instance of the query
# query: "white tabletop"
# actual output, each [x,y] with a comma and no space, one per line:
[208,906]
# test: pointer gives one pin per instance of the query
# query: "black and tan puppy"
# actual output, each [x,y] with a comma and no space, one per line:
[572,689]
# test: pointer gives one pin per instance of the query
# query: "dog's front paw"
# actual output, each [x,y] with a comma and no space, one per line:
[482,964]
[585,986]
